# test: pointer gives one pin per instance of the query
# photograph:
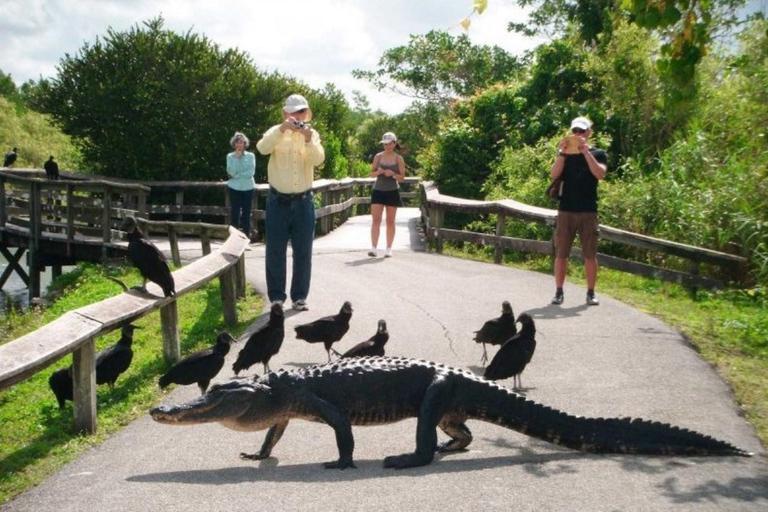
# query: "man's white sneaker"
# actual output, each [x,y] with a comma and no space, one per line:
[372,252]
[388,253]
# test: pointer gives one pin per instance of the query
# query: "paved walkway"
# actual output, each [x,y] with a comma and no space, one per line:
[610,360]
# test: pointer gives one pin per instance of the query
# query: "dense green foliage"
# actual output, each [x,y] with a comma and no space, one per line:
[439,67]
[695,175]
[37,437]
[152,104]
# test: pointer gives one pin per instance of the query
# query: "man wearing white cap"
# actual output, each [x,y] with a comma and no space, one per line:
[581,167]
[294,150]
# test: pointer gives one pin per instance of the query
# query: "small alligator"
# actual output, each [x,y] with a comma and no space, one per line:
[380,390]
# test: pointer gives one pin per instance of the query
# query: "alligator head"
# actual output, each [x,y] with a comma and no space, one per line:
[223,403]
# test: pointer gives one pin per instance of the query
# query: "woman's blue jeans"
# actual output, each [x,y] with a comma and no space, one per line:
[289,219]
[240,202]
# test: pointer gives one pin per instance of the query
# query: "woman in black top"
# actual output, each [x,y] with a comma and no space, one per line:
[388,168]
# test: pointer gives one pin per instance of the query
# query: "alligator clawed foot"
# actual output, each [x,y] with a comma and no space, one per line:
[406,460]
[253,456]
[340,464]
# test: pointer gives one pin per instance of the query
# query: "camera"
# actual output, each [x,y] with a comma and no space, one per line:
[299,124]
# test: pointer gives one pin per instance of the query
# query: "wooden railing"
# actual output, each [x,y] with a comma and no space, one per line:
[76,331]
[434,206]
[77,218]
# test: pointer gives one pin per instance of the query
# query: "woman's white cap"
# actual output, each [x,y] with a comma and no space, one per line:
[388,137]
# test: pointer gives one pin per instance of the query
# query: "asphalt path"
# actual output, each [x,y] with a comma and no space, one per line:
[605,361]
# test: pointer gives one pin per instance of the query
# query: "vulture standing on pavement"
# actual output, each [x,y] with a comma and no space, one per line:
[373,346]
[200,367]
[264,343]
[327,330]
[515,354]
[497,330]
[148,259]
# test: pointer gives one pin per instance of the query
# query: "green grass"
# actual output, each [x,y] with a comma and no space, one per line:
[728,328]
[36,438]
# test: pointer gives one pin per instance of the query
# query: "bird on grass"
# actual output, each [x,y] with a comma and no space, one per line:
[200,367]
[114,360]
[10,157]
[51,169]
[327,330]
[264,343]
[151,263]
[515,354]
[110,363]
[497,330]
[373,346]
[61,384]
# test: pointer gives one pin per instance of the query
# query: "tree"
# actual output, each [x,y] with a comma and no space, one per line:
[439,67]
[152,104]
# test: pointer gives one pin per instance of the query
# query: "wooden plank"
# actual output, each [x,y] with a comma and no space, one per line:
[84,387]
[228,290]
[677,249]
[25,356]
[169,320]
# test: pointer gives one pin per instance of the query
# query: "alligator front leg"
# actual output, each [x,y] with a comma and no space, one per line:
[433,406]
[340,423]
[273,436]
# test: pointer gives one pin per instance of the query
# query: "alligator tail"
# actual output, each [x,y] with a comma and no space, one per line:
[594,435]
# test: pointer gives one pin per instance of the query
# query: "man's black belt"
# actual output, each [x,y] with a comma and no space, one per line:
[289,197]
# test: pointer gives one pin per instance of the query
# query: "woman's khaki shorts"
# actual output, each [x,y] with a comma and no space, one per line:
[570,223]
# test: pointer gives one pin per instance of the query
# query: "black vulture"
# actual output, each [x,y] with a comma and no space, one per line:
[327,330]
[51,169]
[61,384]
[148,259]
[373,346]
[200,367]
[264,343]
[497,330]
[10,157]
[114,360]
[515,354]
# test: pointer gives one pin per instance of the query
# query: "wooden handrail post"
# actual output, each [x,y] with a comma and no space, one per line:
[169,318]
[3,214]
[205,241]
[228,299]
[142,206]
[325,221]
[437,216]
[173,239]
[240,277]
[180,202]
[70,218]
[84,387]
[35,226]
[498,252]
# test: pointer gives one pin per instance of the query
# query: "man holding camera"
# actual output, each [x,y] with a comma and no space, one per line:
[294,150]
[581,166]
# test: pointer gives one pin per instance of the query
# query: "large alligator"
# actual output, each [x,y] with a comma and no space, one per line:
[380,390]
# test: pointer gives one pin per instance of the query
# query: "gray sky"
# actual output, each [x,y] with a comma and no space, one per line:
[316,41]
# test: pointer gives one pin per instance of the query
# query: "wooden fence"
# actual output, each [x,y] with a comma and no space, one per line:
[77,218]
[434,206]
[76,331]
